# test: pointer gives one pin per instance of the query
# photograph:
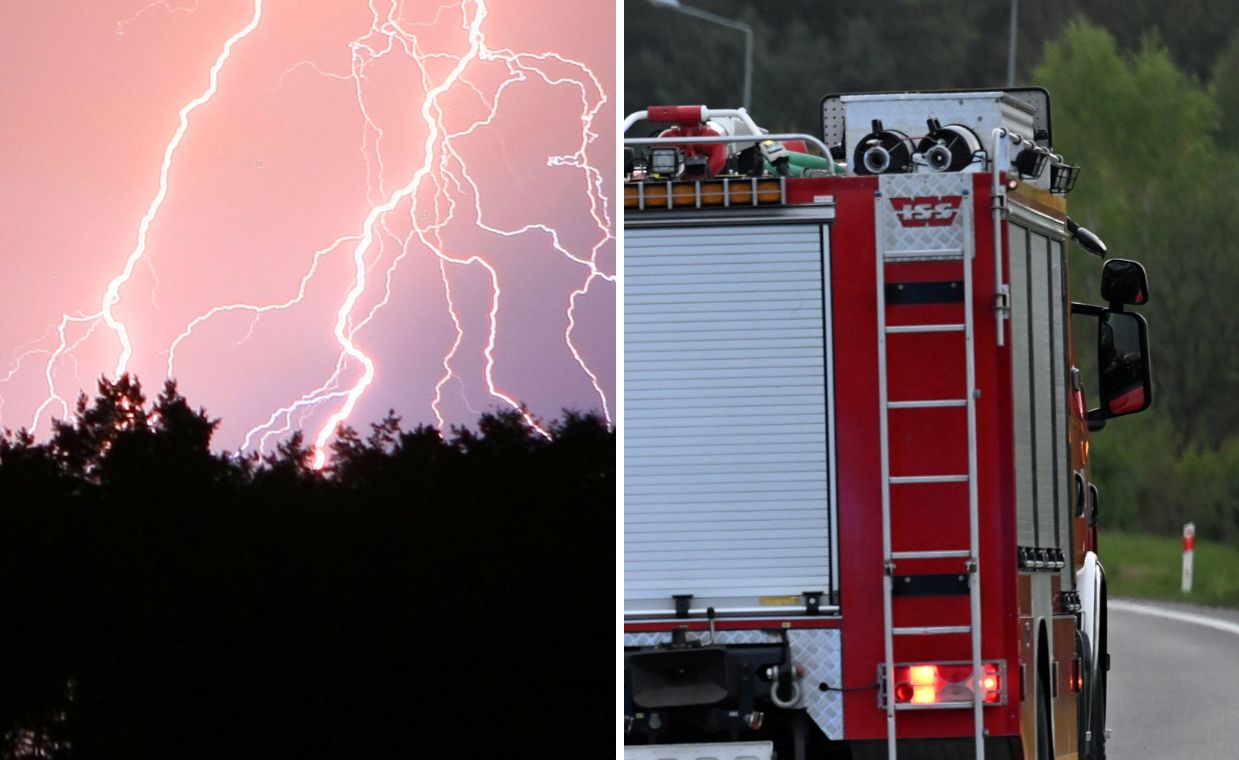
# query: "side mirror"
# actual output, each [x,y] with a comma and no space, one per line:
[1125,380]
[1124,282]
[1123,363]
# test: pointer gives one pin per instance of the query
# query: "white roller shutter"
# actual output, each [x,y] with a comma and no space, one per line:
[726,488]
[1039,385]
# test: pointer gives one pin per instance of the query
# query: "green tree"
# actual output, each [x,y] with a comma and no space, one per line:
[1226,94]
[1158,160]
[805,49]
[1156,187]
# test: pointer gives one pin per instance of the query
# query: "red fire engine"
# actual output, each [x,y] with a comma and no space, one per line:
[858,515]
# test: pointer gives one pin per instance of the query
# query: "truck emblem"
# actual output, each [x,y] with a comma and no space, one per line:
[927,210]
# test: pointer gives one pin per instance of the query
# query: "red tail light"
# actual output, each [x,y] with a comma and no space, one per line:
[946,684]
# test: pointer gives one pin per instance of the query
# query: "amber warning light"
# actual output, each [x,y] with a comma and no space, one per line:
[945,684]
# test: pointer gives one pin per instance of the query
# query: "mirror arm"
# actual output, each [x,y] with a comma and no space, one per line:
[1086,239]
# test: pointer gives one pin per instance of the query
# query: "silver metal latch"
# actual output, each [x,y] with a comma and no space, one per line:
[1002,300]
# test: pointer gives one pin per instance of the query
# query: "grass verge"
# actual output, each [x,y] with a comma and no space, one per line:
[1150,567]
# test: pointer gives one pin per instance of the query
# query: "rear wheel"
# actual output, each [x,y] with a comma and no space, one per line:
[1045,708]
[1045,731]
[1099,691]
[1084,700]
[1092,703]
[1097,695]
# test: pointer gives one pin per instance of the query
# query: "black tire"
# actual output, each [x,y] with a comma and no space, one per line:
[1099,714]
[1045,707]
[1084,701]
[1103,674]
[1092,703]
[1045,730]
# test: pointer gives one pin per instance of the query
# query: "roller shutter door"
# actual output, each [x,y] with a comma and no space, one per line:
[726,448]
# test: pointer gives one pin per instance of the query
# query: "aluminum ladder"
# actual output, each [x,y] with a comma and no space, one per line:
[963,253]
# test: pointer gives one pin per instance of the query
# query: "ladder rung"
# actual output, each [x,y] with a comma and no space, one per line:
[897,480]
[927,403]
[930,630]
[952,327]
[942,254]
[933,554]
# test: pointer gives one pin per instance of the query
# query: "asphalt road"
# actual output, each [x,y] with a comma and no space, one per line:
[1174,682]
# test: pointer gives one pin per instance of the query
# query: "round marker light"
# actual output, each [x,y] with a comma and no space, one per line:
[904,692]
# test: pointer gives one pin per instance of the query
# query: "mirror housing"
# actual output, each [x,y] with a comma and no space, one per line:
[1125,378]
[1123,363]
[1124,282]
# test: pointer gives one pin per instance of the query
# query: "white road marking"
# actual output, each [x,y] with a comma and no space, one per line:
[1184,617]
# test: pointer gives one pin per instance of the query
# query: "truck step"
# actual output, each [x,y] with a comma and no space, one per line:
[728,751]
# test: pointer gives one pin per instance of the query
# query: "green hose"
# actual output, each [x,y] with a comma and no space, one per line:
[810,161]
[798,162]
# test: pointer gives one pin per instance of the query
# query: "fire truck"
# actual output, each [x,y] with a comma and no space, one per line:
[858,514]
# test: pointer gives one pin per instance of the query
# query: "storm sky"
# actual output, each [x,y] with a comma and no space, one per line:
[308,211]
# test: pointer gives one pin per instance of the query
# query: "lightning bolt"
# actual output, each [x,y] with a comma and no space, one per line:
[168,7]
[111,295]
[407,217]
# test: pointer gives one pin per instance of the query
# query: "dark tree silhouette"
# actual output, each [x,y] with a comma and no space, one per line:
[164,601]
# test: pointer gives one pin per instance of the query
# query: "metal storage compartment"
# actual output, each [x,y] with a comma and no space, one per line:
[727,466]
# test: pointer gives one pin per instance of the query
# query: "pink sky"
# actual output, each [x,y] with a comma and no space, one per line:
[307,259]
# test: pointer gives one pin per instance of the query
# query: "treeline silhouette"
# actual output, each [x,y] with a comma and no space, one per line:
[159,600]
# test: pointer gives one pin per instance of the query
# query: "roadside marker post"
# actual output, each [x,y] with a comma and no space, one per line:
[1189,549]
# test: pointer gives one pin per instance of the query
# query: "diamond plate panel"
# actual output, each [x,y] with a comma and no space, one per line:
[818,650]
[653,638]
[906,198]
